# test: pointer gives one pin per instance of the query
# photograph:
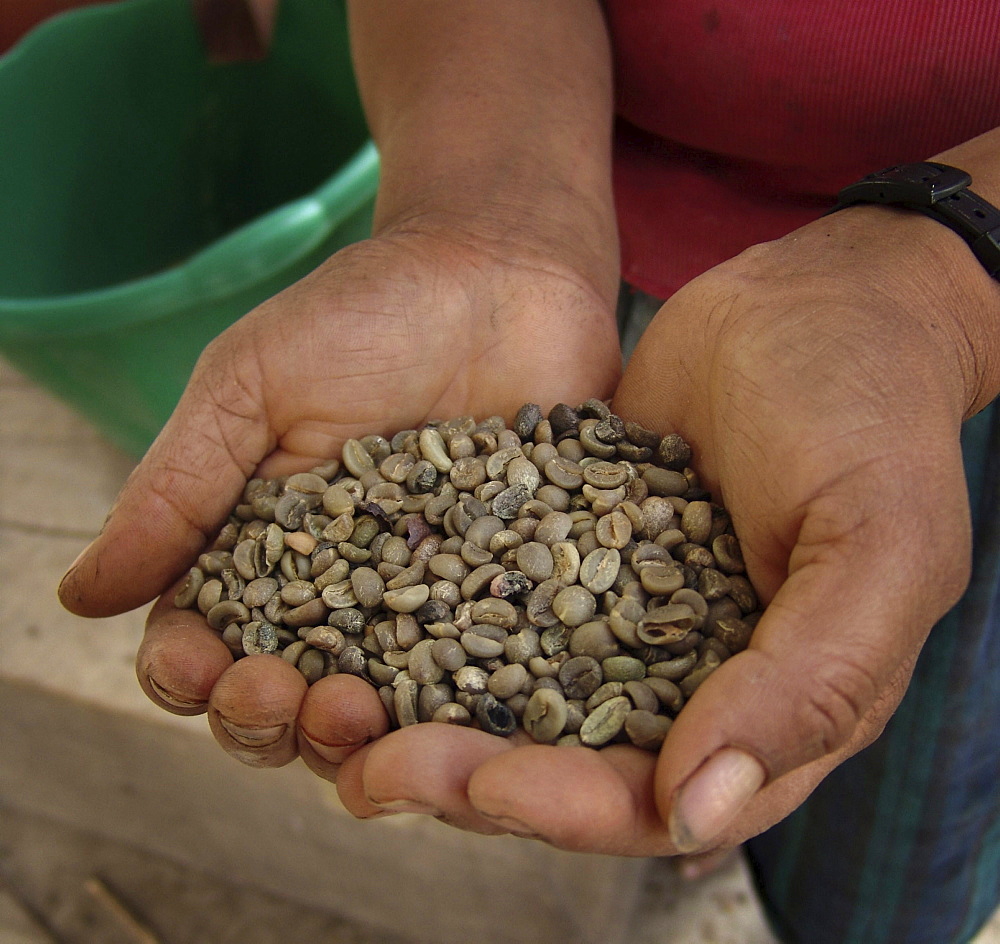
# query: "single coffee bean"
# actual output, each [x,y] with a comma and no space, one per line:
[666,624]
[623,668]
[574,606]
[527,418]
[433,449]
[580,676]
[187,596]
[610,430]
[507,681]
[337,596]
[595,639]
[260,638]
[297,592]
[423,667]
[728,554]
[696,522]
[664,482]
[555,639]
[511,583]
[545,715]
[605,721]
[407,599]
[471,679]
[605,475]
[668,692]
[209,594]
[534,559]
[563,419]
[494,612]
[404,699]
[599,569]
[643,697]
[660,578]
[494,717]
[326,638]
[479,646]
[742,593]
[673,452]
[522,471]
[312,665]
[564,472]
[603,693]
[646,730]
[452,713]
[448,654]
[733,633]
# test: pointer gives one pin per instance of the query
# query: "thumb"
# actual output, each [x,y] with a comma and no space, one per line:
[176,498]
[826,667]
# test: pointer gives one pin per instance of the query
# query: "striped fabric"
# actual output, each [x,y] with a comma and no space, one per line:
[901,845]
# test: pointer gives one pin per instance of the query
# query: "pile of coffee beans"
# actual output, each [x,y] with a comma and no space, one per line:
[567,576]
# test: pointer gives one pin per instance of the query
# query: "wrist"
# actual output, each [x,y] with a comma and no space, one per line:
[515,216]
[944,289]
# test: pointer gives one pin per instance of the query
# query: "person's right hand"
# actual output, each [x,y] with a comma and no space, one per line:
[384,336]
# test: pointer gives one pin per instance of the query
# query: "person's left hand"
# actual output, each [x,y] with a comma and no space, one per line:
[821,381]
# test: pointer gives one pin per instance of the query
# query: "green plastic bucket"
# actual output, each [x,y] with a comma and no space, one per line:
[149,198]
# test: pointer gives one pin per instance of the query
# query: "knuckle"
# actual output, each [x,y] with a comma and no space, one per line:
[838,701]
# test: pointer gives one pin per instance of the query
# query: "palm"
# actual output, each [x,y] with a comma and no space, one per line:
[393,332]
[383,336]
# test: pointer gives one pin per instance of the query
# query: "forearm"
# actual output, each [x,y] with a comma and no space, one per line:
[498,108]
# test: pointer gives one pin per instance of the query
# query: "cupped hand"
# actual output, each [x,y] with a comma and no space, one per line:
[821,381]
[384,336]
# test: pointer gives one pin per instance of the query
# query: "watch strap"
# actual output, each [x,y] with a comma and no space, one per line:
[940,192]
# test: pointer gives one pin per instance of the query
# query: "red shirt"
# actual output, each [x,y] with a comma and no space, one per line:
[740,121]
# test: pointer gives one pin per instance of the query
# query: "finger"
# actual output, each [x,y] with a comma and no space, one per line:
[178,495]
[828,662]
[253,708]
[574,798]
[340,714]
[424,768]
[180,659]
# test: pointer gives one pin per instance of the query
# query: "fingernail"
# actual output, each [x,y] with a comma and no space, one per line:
[712,798]
[76,563]
[333,753]
[405,806]
[514,827]
[253,737]
[171,698]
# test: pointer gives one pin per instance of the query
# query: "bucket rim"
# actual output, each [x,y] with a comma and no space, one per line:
[250,254]
[223,268]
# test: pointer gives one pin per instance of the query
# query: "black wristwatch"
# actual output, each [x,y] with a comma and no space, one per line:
[942,193]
